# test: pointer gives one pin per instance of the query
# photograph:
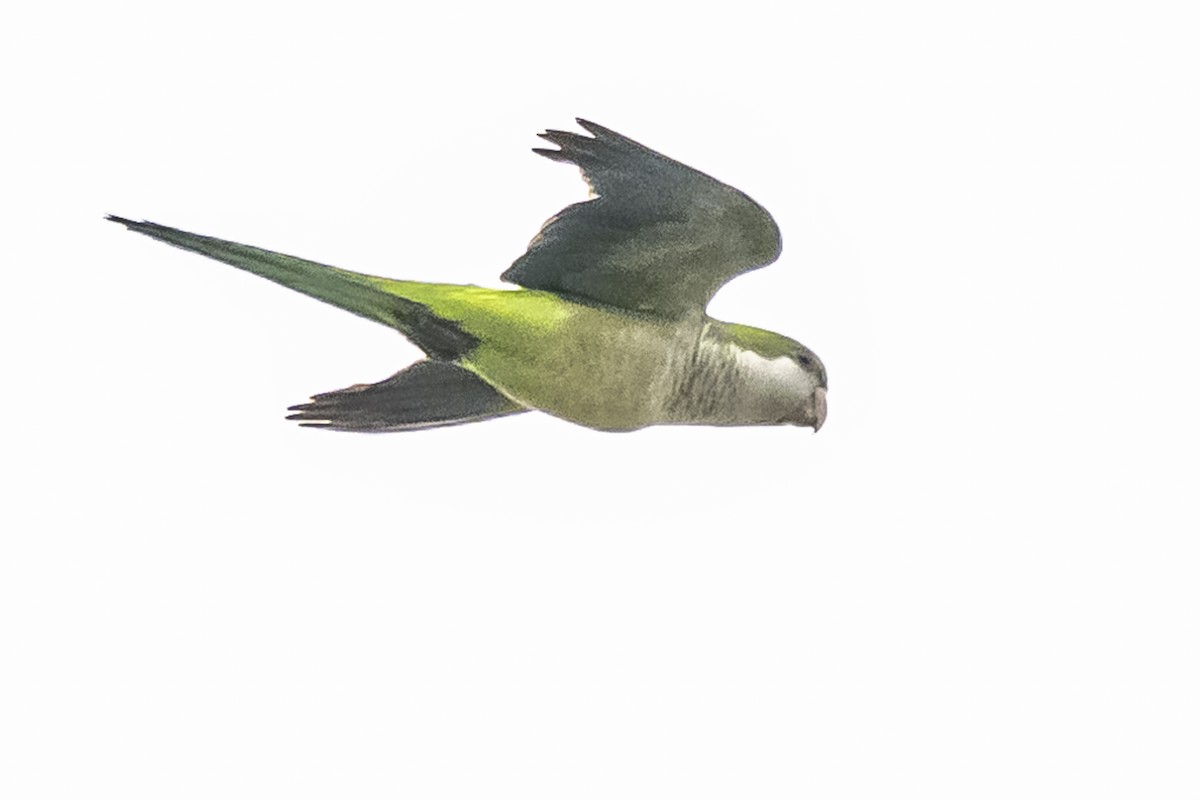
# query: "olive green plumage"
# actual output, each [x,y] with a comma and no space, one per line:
[609,330]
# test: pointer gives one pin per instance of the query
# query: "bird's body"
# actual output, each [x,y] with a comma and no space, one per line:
[603,336]
[615,370]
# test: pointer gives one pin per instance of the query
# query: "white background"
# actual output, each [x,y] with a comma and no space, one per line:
[979,580]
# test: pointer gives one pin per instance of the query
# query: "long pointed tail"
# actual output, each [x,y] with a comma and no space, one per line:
[440,338]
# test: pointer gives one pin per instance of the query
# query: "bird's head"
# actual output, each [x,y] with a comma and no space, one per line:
[812,407]
[790,381]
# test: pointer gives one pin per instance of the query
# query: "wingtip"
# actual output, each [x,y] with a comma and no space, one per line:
[307,419]
[591,127]
[120,220]
[553,155]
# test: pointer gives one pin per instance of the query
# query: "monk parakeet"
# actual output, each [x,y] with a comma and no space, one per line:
[608,329]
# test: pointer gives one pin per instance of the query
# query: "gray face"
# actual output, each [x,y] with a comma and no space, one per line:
[810,389]
[786,389]
[807,405]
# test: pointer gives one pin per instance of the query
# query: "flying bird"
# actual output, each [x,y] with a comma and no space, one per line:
[608,328]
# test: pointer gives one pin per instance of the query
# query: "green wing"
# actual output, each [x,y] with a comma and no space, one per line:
[659,237]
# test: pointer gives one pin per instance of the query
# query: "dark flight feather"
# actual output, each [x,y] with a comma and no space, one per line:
[428,394]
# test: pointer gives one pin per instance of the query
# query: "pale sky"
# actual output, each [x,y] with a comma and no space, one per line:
[978,580]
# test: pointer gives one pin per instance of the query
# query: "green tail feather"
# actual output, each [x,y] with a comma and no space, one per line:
[352,291]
